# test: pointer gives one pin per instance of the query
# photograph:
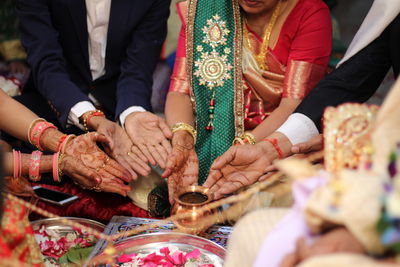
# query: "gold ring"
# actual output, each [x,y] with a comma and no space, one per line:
[107,160]
[128,153]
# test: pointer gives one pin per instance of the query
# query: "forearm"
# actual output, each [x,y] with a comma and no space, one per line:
[275,119]
[15,117]
[179,108]
[46,164]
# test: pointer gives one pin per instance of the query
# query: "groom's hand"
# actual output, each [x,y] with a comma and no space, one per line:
[151,135]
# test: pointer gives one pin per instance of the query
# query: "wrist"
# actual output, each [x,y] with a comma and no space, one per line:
[277,144]
[91,119]
[95,122]
[50,139]
[183,139]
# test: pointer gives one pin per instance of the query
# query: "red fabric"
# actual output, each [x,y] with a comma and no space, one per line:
[306,34]
[99,206]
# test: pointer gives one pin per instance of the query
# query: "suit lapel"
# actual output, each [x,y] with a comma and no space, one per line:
[77,9]
[119,13]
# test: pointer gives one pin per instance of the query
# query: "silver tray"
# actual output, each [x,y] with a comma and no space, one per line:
[211,253]
[59,226]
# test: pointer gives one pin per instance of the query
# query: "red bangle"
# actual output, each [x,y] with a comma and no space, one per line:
[64,143]
[61,141]
[274,142]
[34,166]
[37,132]
[92,114]
[56,176]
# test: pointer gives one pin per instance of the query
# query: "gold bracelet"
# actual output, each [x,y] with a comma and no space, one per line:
[238,141]
[60,159]
[181,126]
[250,138]
[84,119]
[31,126]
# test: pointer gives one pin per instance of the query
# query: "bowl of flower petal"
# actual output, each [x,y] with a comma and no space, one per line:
[168,249]
[62,244]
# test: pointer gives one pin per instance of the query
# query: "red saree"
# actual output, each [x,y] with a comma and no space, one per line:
[293,66]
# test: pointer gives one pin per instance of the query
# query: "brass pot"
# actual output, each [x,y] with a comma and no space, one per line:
[189,200]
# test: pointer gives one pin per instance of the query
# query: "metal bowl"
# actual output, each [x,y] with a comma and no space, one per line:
[211,253]
[59,226]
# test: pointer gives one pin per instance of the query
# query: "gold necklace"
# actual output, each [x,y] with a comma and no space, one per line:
[260,57]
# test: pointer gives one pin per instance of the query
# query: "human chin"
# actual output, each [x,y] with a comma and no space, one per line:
[252,6]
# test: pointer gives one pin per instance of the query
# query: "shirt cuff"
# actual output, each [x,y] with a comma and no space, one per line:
[128,111]
[298,128]
[77,111]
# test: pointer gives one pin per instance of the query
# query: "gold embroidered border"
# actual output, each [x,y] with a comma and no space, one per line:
[191,15]
[238,83]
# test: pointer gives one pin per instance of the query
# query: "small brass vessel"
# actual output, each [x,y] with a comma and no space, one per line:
[190,200]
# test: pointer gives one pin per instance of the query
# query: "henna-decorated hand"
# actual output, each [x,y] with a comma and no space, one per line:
[150,134]
[84,148]
[182,166]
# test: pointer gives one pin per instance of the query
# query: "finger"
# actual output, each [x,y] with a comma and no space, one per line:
[212,178]
[113,187]
[163,152]
[157,156]
[265,176]
[123,172]
[117,173]
[138,165]
[147,153]
[171,163]
[121,160]
[167,145]
[90,177]
[164,128]
[270,168]
[290,260]
[139,154]
[225,159]
[171,190]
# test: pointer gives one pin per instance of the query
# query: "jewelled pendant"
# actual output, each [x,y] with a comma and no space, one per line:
[211,109]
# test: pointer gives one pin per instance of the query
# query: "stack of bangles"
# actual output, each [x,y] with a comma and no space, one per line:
[246,138]
[181,126]
[34,165]
[36,130]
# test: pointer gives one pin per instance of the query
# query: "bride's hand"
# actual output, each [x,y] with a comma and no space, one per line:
[182,167]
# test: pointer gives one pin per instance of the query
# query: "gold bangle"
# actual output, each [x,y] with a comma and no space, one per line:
[60,159]
[31,126]
[238,141]
[181,126]
[250,138]
[84,119]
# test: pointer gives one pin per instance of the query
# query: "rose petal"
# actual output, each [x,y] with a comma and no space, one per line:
[178,258]
[124,258]
[164,250]
[195,254]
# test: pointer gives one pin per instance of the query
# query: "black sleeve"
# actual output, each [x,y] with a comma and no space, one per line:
[356,80]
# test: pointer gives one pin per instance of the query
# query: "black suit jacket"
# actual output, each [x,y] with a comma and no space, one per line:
[357,79]
[54,32]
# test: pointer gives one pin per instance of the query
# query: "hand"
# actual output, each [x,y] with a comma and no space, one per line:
[84,148]
[120,147]
[87,178]
[18,67]
[337,240]
[150,134]
[238,167]
[182,168]
[315,144]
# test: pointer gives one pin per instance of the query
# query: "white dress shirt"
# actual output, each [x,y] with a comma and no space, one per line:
[98,16]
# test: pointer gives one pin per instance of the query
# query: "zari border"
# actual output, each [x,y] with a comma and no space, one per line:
[191,15]
[238,108]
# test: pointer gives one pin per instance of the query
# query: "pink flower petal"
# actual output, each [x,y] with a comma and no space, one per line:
[164,250]
[195,254]
[124,258]
[178,258]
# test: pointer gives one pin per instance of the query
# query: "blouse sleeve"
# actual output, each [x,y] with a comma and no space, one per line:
[309,53]
[179,80]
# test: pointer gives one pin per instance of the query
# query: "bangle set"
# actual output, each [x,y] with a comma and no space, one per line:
[57,172]
[181,126]
[246,138]
[87,116]
[34,166]
[274,142]
[36,131]
[17,156]
[62,143]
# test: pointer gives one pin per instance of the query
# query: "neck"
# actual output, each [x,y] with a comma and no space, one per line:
[258,22]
